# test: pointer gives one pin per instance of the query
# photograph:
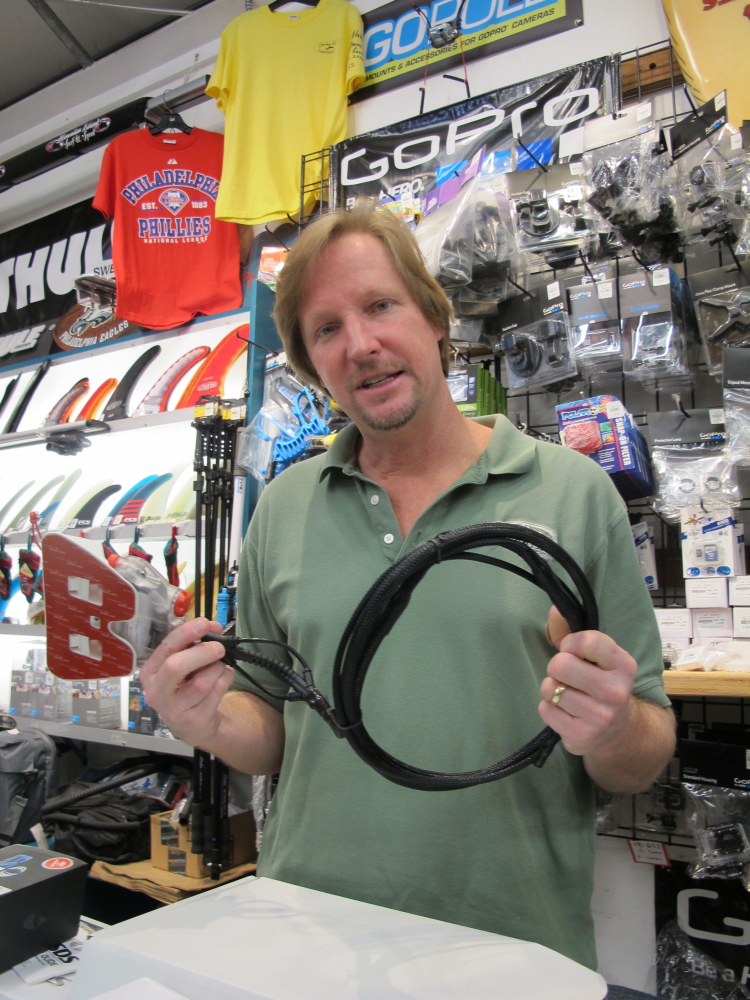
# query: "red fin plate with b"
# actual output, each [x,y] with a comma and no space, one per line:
[209,378]
[83,596]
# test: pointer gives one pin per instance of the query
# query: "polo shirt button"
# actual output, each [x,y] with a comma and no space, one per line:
[374,499]
[388,539]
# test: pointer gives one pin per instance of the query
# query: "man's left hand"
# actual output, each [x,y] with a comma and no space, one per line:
[586,696]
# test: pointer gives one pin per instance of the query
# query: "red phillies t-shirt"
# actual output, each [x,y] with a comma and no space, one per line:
[172,258]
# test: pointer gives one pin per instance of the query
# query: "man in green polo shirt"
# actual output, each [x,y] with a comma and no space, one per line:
[464,676]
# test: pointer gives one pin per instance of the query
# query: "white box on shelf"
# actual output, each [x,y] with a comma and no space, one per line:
[711,592]
[674,623]
[712,623]
[741,622]
[739,591]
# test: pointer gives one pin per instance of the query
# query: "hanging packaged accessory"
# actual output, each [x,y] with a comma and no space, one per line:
[29,562]
[710,172]
[602,428]
[549,213]
[654,335]
[692,462]
[722,307]
[624,180]
[736,382]
[104,617]
[532,334]
[595,323]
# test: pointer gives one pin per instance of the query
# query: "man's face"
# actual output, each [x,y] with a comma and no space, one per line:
[372,347]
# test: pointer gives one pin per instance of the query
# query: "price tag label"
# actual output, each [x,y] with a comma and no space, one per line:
[716,415]
[643,112]
[649,852]
[553,290]
[614,410]
[576,168]
[736,141]
[720,101]
[661,276]
[604,289]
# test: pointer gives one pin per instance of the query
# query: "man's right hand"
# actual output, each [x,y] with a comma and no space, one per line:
[185,680]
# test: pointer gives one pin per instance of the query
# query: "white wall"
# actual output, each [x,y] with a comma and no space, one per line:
[187,49]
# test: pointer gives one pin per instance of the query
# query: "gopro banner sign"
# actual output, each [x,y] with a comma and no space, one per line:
[537,121]
[397,36]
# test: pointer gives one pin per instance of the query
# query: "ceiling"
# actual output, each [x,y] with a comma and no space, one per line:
[42,41]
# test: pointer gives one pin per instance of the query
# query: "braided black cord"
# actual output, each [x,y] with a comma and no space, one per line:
[380,609]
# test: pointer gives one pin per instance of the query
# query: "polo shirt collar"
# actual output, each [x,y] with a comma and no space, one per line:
[509,452]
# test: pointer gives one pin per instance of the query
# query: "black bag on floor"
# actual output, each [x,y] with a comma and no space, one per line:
[97,821]
[110,826]
[27,778]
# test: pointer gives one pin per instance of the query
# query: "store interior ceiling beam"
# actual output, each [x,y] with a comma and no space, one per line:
[69,40]
[129,6]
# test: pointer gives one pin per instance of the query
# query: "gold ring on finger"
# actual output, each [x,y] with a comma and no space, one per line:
[558,693]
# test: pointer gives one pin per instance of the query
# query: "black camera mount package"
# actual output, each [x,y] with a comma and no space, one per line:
[532,333]
[595,322]
[692,462]
[722,306]
[654,334]
[624,183]
[550,214]
[711,165]
[736,383]
[41,897]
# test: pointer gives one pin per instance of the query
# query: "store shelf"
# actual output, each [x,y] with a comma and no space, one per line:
[29,631]
[112,737]
[42,435]
[710,684]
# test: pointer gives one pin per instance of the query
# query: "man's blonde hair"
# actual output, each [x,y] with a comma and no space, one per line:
[366,218]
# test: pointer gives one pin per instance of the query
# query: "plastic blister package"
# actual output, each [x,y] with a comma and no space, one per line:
[278,433]
[694,476]
[737,420]
[723,319]
[446,239]
[719,820]
[538,353]
[710,199]
[653,327]
[625,188]
[595,325]
[663,809]
[553,223]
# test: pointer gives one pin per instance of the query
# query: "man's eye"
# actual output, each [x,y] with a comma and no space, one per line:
[382,306]
[325,330]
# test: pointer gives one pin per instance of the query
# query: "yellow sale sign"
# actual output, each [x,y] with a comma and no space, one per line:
[712,42]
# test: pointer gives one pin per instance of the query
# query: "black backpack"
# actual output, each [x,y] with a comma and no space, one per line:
[27,778]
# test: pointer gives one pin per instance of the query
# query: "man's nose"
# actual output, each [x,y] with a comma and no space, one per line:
[361,337]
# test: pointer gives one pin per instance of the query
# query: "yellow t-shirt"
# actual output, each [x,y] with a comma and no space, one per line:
[282,79]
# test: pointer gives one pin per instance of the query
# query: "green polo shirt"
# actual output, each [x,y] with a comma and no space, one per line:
[454,687]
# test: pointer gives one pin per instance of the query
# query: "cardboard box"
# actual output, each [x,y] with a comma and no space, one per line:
[741,623]
[96,702]
[674,623]
[171,848]
[739,591]
[712,623]
[41,897]
[710,592]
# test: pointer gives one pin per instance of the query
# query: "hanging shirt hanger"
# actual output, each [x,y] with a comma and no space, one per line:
[275,4]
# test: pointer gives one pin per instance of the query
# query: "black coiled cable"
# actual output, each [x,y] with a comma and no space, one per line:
[380,609]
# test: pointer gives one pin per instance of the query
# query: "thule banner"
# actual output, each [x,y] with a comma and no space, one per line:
[397,44]
[56,286]
[508,129]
